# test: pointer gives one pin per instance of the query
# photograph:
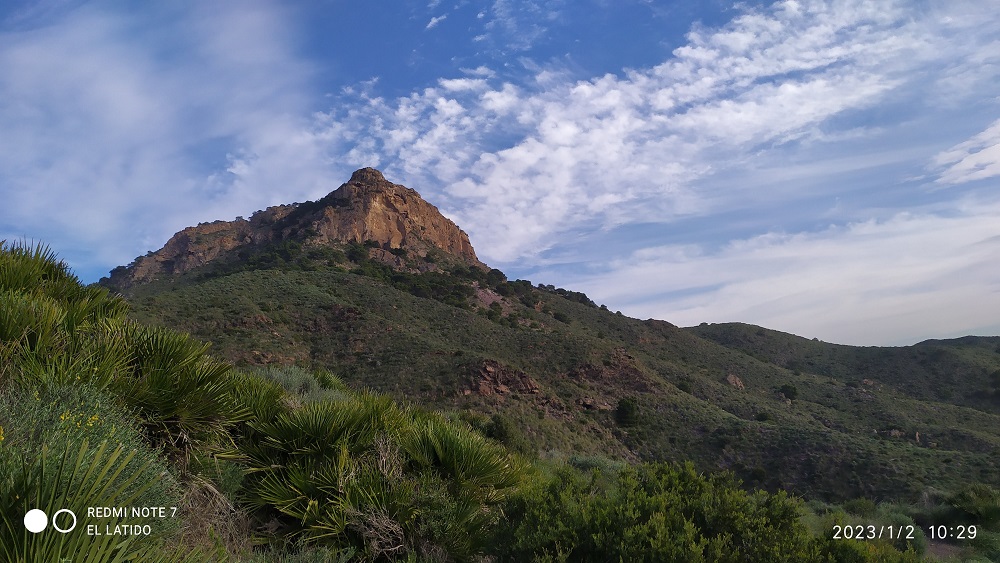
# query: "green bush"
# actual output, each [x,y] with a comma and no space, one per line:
[860,507]
[789,391]
[54,332]
[652,512]
[627,413]
[976,504]
[504,430]
[851,551]
[305,385]
[183,396]
[590,462]
[52,328]
[823,520]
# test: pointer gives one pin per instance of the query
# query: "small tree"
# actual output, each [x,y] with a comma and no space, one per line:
[789,391]
[495,277]
[627,413]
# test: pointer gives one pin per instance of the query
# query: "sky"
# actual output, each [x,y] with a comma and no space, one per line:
[824,168]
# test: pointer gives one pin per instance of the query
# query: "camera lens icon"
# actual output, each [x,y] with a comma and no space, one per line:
[35,521]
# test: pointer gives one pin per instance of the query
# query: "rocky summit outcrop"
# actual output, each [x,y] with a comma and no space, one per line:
[367,209]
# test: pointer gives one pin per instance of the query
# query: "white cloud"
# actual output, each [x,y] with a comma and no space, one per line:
[479,71]
[516,25]
[204,119]
[461,84]
[520,164]
[897,281]
[435,21]
[975,159]
[970,29]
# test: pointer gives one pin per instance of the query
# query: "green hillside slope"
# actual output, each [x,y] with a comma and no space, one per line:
[964,371]
[570,378]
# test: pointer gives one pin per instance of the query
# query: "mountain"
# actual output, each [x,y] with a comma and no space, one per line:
[374,285]
[367,208]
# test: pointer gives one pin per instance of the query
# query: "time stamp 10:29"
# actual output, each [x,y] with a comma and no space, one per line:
[909,532]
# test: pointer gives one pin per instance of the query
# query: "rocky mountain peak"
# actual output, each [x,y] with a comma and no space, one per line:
[367,176]
[367,209]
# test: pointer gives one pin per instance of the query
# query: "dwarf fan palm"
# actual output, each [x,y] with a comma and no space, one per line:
[51,325]
[473,465]
[183,396]
[363,471]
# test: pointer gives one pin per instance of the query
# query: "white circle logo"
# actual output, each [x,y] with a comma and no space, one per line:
[35,520]
[64,530]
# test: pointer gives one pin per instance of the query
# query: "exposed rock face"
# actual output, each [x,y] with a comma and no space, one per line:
[370,208]
[366,208]
[493,378]
[734,380]
[619,371]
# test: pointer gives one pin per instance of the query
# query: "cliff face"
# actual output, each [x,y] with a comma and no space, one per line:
[366,208]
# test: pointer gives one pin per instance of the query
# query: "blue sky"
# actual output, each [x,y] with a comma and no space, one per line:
[826,168]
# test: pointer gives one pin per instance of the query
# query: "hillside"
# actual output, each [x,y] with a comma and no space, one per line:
[427,323]
[962,371]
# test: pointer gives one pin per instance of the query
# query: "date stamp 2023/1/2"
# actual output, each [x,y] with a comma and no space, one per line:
[907,532]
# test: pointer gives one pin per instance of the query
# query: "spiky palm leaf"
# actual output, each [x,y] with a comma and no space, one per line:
[474,465]
[316,431]
[386,479]
[51,325]
[25,267]
[35,270]
[262,400]
[31,325]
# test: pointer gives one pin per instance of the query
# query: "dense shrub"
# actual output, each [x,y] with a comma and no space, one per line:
[54,332]
[504,430]
[627,412]
[576,296]
[653,512]
[304,385]
[974,505]
[183,396]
